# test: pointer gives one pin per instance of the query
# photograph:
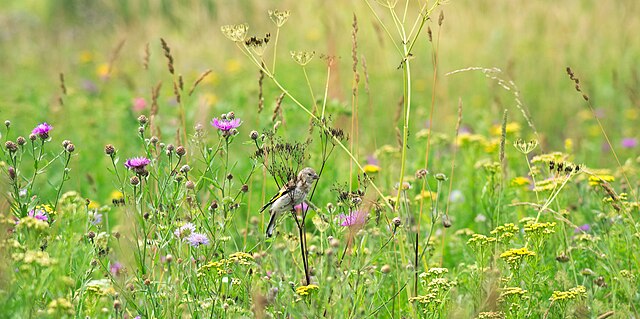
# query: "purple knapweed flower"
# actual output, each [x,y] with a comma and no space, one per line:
[196,239]
[355,218]
[583,228]
[185,230]
[137,164]
[629,142]
[42,130]
[225,125]
[116,268]
[39,215]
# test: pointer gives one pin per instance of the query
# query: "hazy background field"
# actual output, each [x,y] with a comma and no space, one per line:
[531,42]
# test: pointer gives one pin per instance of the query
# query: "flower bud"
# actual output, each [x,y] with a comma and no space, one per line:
[441,177]
[109,149]
[142,119]
[11,146]
[154,140]
[190,185]
[245,188]
[385,269]
[170,148]
[65,143]
[70,148]
[134,181]
[254,135]
[181,151]
[12,173]
[7,123]
[33,137]
[396,221]
[185,169]
[21,140]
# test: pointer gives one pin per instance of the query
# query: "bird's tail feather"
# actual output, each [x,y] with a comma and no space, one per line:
[272,225]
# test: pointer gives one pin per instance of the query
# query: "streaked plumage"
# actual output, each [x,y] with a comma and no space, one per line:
[290,195]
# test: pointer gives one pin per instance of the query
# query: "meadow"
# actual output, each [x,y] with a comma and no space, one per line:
[475,159]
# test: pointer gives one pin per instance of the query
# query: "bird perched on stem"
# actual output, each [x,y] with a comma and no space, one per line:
[290,195]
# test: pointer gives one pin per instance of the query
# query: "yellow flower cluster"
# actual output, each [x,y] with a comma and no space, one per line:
[34,257]
[240,258]
[371,168]
[480,240]
[533,228]
[571,294]
[306,290]
[513,292]
[520,181]
[32,223]
[550,157]
[426,299]
[549,184]
[101,287]
[60,306]
[505,233]
[510,128]
[490,315]
[596,180]
[514,256]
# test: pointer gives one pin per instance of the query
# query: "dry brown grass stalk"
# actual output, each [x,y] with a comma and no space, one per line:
[167,53]
[198,80]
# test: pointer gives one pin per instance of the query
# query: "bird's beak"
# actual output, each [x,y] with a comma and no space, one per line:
[315,176]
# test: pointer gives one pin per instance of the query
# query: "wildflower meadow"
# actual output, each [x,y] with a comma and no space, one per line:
[319,159]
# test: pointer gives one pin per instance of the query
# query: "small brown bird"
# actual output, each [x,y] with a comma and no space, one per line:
[291,194]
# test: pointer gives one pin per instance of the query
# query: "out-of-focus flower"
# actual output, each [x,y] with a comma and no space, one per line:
[355,218]
[185,230]
[629,142]
[196,239]
[139,104]
[583,228]
[116,268]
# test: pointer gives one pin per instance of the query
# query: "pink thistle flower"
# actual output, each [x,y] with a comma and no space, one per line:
[137,164]
[116,268]
[355,218]
[225,125]
[42,130]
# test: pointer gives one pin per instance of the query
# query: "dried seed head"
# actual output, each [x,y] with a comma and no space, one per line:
[302,57]
[235,32]
[278,17]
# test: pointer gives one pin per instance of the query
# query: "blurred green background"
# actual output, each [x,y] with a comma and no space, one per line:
[532,42]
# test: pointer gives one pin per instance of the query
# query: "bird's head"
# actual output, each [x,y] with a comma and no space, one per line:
[308,175]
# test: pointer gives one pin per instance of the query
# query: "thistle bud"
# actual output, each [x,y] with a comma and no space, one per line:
[180,151]
[109,149]
[70,148]
[21,140]
[254,135]
[134,181]
[142,119]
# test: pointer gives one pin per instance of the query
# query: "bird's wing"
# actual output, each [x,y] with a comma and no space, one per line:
[286,189]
